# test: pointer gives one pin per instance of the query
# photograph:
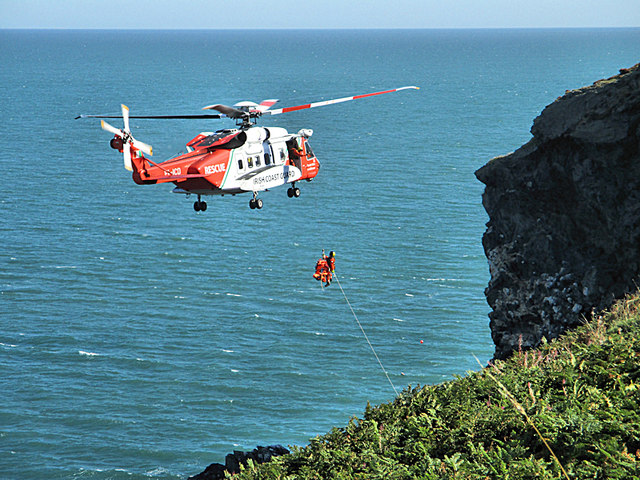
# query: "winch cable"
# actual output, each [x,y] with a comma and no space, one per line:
[365,335]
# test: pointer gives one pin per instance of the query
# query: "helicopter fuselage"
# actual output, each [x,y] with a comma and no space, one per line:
[233,161]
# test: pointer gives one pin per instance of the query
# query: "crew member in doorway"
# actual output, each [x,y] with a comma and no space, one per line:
[295,152]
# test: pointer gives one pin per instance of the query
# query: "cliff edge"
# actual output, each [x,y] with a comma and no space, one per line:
[563,237]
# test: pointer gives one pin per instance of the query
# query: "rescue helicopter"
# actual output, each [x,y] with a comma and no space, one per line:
[248,158]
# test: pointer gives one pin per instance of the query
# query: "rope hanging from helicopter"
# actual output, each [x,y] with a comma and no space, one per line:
[365,335]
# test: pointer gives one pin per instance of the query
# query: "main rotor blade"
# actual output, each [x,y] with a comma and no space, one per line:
[162,117]
[228,111]
[235,113]
[278,111]
[267,104]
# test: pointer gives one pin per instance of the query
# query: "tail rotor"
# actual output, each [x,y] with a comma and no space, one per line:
[124,140]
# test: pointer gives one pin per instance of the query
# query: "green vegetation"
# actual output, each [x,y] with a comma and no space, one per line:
[570,409]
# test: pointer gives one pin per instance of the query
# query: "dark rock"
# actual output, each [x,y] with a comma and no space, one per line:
[216,471]
[563,237]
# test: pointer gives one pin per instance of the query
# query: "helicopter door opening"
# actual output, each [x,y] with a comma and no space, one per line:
[293,147]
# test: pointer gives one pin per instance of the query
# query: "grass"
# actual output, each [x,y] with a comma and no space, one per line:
[569,409]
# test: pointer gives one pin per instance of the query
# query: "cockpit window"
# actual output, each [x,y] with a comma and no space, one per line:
[308,149]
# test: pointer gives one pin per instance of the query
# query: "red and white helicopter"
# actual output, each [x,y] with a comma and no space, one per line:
[248,158]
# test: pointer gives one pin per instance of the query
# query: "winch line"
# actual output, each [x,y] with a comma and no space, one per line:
[365,335]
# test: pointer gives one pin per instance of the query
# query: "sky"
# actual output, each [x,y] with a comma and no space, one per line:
[251,14]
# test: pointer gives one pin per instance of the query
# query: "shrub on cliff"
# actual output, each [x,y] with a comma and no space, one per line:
[566,410]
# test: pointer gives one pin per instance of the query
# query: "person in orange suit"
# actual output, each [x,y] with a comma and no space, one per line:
[325,267]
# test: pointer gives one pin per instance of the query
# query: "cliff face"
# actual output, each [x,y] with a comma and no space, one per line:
[563,237]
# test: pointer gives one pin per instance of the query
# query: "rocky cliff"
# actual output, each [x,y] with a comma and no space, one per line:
[563,237]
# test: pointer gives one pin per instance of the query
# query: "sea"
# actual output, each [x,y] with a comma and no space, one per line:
[140,339]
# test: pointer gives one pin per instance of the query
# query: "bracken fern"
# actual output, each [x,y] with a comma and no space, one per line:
[566,410]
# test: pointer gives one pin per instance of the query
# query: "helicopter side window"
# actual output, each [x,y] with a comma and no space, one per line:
[250,162]
[240,164]
[283,155]
[258,161]
[267,159]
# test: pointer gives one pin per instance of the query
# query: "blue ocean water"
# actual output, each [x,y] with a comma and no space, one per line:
[139,339]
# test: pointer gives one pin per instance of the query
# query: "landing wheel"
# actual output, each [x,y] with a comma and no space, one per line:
[255,203]
[199,206]
[293,192]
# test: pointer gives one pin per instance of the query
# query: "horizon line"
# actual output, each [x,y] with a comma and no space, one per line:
[322,28]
